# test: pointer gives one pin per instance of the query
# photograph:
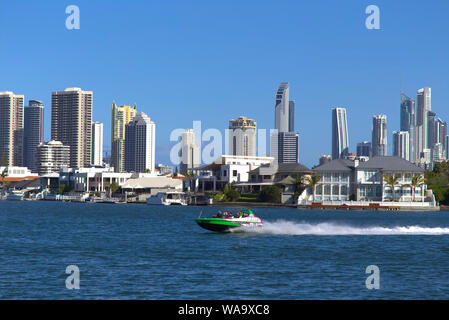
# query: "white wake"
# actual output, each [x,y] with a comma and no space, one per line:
[282,227]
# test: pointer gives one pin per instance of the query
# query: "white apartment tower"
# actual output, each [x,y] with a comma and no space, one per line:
[401,144]
[190,152]
[97,143]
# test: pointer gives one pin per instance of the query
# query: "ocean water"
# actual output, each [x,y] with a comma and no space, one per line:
[143,252]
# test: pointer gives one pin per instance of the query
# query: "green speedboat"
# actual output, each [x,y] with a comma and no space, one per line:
[226,221]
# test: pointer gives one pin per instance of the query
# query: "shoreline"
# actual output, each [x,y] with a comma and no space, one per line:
[272,205]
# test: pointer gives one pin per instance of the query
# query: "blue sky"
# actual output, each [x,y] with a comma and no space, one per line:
[216,60]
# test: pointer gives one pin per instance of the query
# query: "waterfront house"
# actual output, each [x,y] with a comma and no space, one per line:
[344,180]
[226,169]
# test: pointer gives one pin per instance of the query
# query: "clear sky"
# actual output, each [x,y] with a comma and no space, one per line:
[216,60]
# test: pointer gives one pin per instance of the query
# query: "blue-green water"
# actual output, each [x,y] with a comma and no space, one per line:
[142,252]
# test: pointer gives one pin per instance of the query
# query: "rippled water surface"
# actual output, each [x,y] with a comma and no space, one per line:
[143,252]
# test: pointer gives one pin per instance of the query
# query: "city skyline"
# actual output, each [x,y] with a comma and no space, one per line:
[321,73]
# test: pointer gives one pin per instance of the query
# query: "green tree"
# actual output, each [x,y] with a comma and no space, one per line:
[416,182]
[233,195]
[270,194]
[392,181]
[62,188]
[226,189]
[114,187]
[312,181]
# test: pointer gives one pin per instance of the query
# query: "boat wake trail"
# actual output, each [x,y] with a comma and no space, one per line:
[282,227]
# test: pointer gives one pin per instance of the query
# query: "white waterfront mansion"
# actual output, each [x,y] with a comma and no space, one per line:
[352,180]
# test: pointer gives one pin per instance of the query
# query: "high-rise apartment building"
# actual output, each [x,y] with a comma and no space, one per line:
[52,156]
[284,141]
[121,116]
[11,129]
[379,136]
[291,116]
[447,147]
[364,149]
[97,143]
[282,111]
[33,132]
[242,137]
[401,144]
[140,144]
[190,152]
[424,105]
[71,123]
[340,140]
[408,123]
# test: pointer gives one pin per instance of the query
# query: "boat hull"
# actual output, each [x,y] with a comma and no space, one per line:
[217,225]
[224,225]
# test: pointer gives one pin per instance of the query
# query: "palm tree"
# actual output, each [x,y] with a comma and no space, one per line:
[393,181]
[417,181]
[4,174]
[312,181]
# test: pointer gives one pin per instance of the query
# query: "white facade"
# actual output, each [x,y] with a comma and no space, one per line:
[401,145]
[17,172]
[92,179]
[424,105]
[340,140]
[190,152]
[282,110]
[97,143]
[52,156]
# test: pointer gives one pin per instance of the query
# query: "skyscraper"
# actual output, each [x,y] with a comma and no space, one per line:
[140,144]
[447,147]
[431,129]
[33,132]
[441,133]
[291,116]
[340,141]
[282,111]
[242,137]
[408,123]
[121,116]
[424,106]
[190,152]
[401,145]
[284,142]
[364,149]
[11,129]
[52,156]
[97,143]
[71,123]
[379,137]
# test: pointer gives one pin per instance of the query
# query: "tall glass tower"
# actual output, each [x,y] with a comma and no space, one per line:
[33,132]
[340,140]
[380,135]
[408,123]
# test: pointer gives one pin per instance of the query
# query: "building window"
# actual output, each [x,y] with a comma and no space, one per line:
[234,173]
